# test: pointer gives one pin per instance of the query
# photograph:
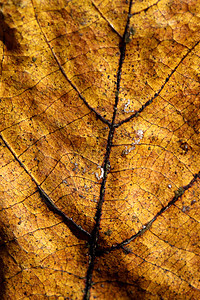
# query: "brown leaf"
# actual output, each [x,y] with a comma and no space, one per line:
[100,149]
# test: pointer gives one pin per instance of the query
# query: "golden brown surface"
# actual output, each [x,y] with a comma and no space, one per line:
[131,181]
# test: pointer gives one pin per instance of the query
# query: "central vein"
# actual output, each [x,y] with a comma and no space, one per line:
[95,232]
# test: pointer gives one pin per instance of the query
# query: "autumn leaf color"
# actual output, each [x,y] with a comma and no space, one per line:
[100,164]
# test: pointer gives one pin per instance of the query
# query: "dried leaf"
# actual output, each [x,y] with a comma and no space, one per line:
[100,191]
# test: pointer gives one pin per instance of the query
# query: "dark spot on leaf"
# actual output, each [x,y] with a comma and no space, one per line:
[184,146]
[108,232]
[193,201]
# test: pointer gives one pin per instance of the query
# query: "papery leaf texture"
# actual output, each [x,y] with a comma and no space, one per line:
[100,149]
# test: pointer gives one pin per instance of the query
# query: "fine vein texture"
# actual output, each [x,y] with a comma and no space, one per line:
[99,149]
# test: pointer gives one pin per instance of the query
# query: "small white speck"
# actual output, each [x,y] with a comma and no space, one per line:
[101,175]
[169,186]
[140,133]
[126,107]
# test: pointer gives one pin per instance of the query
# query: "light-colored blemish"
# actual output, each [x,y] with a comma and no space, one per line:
[126,151]
[126,110]
[75,167]
[193,201]
[185,208]
[139,136]
[99,177]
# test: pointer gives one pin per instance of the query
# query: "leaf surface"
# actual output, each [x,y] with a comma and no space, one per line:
[100,149]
